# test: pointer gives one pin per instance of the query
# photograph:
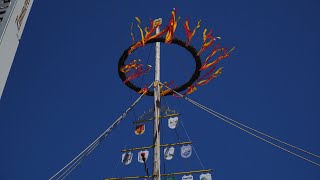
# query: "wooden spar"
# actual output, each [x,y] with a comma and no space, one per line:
[157,105]
[169,174]
[148,147]
[150,119]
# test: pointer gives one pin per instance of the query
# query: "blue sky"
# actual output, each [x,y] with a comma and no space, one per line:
[63,89]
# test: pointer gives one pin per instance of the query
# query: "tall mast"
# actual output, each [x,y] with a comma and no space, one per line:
[156,129]
[185,150]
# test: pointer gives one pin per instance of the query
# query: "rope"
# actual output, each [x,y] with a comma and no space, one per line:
[77,160]
[258,136]
[194,149]
[224,118]
[162,140]
[142,79]
[259,132]
[134,111]
[117,164]
[179,140]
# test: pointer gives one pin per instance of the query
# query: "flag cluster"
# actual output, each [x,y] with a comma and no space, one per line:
[168,153]
[172,124]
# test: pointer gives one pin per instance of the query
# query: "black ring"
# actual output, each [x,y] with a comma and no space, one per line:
[176,41]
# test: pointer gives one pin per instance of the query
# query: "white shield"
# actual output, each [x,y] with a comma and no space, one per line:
[172,122]
[186,151]
[144,153]
[187,177]
[127,158]
[168,153]
[206,176]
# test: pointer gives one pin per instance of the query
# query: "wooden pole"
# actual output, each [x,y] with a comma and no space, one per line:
[156,128]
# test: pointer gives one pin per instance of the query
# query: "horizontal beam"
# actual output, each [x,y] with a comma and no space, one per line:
[187,172]
[169,174]
[138,148]
[148,147]
[150,119]
[175,144]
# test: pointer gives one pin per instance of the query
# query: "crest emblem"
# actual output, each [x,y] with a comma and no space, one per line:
[186,151]
[172,122]
[168,153]
[143,156]
[127,158]
[139,129]
[206,176]
[187,177]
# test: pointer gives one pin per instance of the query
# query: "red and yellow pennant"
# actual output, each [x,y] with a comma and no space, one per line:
[190,34]
[208,40]
[132,65]
[171,27]
[131,33]
[191,89]
[217,54]
[164,92]
[137,73]
[147,34]
[202,81]
[144,89]
[224,54]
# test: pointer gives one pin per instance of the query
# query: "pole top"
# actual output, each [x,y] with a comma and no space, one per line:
[157,22]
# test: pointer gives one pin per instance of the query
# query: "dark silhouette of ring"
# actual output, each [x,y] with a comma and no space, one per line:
[176,41]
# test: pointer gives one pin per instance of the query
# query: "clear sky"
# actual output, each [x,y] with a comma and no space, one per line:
[63,89]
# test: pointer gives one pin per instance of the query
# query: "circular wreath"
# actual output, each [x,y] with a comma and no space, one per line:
[176,41]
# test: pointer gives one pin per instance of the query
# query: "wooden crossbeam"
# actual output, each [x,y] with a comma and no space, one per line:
[150,119]
[162,145]
[169,174]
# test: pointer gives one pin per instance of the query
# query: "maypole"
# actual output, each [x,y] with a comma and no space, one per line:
[156,126]
[135,69]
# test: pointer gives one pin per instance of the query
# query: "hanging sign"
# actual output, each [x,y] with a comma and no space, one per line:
[139,129]
[172,122]
[206,176]
[143,156]
[168,153]
[186,151]
[187,177]
[127,157]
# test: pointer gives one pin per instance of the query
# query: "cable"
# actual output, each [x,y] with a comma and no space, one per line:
[266,135]
[142,79]
[224,118]
[179,140]
[162,140]
[194,149]
[259,137]
[118,163]
[134,112]
[76,161]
